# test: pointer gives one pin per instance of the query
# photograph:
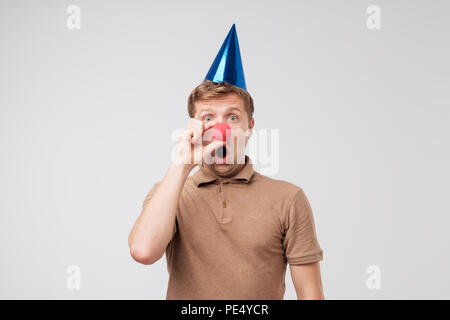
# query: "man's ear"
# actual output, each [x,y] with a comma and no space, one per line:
[249,131]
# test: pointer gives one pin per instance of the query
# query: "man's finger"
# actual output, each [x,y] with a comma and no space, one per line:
[197,127]
[197,135]
[187,134]
[207,151]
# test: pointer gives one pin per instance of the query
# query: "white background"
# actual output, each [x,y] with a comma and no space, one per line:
[86,118]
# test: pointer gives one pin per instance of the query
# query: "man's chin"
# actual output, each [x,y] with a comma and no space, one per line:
[222,166]
[219,165]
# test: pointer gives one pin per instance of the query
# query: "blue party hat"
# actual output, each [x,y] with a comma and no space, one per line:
[227,66]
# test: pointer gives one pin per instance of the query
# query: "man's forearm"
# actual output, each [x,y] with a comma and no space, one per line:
[307,281]
[313,292]
[153,229]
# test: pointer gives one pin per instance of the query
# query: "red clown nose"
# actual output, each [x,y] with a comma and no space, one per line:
[219,132]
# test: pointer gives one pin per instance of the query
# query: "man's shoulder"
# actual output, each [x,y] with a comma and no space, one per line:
[260,178]
[279,187]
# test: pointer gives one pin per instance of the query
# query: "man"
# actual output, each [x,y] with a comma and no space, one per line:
[228,232]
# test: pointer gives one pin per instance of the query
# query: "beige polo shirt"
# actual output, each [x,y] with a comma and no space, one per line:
[234,235]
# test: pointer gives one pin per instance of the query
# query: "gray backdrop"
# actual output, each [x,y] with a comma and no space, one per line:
[86,117]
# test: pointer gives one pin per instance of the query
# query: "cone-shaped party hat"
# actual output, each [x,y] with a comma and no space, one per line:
[227,66]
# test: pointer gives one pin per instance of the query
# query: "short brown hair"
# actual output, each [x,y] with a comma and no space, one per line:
[210,90]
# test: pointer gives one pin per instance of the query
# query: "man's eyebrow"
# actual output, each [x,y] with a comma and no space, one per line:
[204,109]
[234,109]
[208,109]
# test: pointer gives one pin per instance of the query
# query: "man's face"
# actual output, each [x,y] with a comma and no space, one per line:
[228,109]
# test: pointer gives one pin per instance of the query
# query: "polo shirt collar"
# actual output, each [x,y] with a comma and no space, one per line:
[206,175]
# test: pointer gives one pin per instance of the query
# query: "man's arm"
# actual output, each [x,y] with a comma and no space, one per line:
[307,281]
[154,228]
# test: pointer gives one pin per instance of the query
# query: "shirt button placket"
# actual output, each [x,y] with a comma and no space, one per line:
[222,199]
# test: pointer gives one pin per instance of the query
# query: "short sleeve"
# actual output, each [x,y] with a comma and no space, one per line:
[148,198]
[300,242]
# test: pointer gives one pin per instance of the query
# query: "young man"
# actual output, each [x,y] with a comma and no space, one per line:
[228,232]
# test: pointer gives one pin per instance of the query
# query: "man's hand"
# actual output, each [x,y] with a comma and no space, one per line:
[193,147]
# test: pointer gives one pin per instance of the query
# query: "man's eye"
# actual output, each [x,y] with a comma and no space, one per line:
[233,117]
[207,118]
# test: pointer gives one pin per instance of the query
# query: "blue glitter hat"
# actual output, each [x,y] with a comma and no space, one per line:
[227,66]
